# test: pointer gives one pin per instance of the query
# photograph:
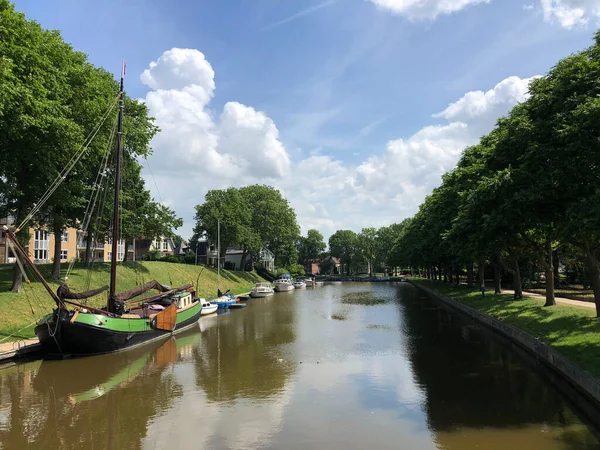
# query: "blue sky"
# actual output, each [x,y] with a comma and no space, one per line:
[333,102]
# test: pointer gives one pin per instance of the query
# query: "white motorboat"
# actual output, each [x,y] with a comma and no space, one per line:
[284,284]
[299,284]
[262,290]
[310,282]
[208,308]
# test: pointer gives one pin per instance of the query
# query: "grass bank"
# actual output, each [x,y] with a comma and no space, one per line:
[571,331]
[16,309]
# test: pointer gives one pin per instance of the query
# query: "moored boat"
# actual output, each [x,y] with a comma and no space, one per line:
[208,308]
[310,282]
[74,328]
[299,283]
[284,284]
[262,290]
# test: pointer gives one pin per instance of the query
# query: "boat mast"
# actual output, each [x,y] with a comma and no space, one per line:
[115,226]
[218,254]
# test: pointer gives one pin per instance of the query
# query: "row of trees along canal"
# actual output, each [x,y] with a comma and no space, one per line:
[51,99]
[527,192]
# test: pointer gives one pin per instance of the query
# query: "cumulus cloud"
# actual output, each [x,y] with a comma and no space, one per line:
[425,9]
[571,13]
[194,148]
[198,150]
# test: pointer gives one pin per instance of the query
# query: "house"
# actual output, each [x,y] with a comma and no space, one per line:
[73,245]
[268,259]
[334,262]
[206,253]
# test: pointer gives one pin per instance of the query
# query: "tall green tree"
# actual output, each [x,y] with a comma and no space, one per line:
[311,248]
[343,244]
[367,246]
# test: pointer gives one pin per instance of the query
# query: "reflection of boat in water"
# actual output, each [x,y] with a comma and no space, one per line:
[99,375]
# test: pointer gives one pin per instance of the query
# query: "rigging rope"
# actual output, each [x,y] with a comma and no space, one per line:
[96,190]
[72,162]
[161,200]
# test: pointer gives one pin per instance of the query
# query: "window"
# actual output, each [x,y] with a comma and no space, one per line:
[41,245]
[121,250]
[64,255]
[64,237]
[165,245]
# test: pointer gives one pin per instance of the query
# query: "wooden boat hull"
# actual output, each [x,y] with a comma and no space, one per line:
[87,334]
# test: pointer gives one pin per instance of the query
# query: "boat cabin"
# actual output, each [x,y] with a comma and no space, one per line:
[182,300]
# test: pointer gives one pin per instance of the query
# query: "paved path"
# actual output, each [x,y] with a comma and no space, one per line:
[9,350]
[559,300]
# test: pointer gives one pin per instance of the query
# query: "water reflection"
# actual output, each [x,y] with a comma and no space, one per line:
[484,392]
[397,372]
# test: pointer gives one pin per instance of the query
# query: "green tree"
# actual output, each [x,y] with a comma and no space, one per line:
[310,248]
[343,244]
[235,215]
[273,224]
[367,246]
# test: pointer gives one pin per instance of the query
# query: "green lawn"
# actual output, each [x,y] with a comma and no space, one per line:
[572,331]
[16,309]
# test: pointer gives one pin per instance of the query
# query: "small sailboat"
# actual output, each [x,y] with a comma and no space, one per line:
[284,283]
[208,308]
[224,300]
[74,328]
[262,290]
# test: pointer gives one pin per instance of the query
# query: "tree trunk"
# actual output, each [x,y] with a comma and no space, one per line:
[470,275]
[124,250]
[457,277]
[550,301]
[445,274]
[88,247]
[481,268]
[497,279]
[17,284]
[518,287]
[556,275]
[450,277]
[591,263]
[243,260]
[58,227]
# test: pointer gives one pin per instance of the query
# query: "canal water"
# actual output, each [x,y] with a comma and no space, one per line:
[342,366]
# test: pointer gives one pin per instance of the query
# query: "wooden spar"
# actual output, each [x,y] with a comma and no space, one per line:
[162,294]
[30,263]
[89,308]
[115,231]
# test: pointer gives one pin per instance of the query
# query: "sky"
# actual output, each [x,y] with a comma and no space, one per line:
[353,109]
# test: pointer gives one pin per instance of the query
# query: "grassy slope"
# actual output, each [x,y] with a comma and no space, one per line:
[572,331]
[15,310]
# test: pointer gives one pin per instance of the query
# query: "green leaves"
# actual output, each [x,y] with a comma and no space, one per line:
[251,217]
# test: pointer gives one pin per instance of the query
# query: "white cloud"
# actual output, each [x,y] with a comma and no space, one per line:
[197,151]
[571,13]
[425,9]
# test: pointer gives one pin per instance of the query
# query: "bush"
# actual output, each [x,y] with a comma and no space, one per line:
[152,255]
[171,259]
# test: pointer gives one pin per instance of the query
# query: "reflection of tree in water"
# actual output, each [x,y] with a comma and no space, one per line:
[97,402]
[238,357]
[472,381]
